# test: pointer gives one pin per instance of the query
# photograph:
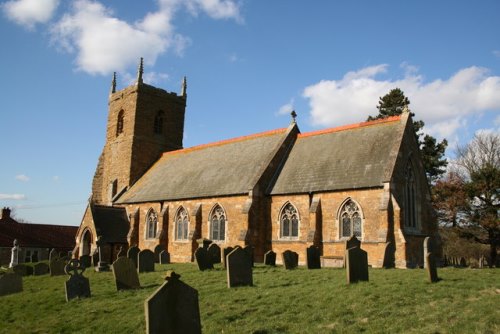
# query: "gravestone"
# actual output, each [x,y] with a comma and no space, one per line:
[10,283]
[249,250]
[77,286]
[102,265]
[270,258]
[203,259]
[85,261]
[313,258]
[463,262]
[352,242]
[132,254]
[290,259]
[204,243]
[53,254]
[389,256]
[239,268]
[214,253]
[173,308]
[146,261]
[23,270]
[40,268]
[427,248]
[125,274]
[56,266]
[356,265]
[225,252]
[121,253]
[164,257]
[14,254]
[430,262]
[94,258]
[157,251]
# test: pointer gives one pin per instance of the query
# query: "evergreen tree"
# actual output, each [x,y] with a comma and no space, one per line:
[393,104]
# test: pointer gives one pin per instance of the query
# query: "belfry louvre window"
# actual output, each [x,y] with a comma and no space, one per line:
[158,124]
[151,224]
[182,224]
[289,222]
[350,220]
[119,123]
[217,223]
[410,198]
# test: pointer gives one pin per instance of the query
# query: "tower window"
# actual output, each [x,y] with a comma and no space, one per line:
[350,220]
[119,123]
[158,125]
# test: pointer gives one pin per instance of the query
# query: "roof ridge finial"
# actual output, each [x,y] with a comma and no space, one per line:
[140,71]
[294,116]
[184,87]
[113,83]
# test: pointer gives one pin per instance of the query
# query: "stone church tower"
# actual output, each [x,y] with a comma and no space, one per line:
[143,122]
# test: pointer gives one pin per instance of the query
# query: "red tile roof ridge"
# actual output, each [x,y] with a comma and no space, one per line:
[227,141]
[350,126]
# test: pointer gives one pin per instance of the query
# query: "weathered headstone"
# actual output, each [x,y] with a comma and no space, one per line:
[352,242]
[132,254]
[239,268]
[14,254]
[121,253]
[290,259]
[225,252]
[389,256]
[270,258]
[313,258]
[427,248]
[430,262]
[158,249]
[356,265]
[53,254]
[173,308]
[23,270]
[85,261]
[214,253]
[203,259]
[146,261]
[10,283]
[249,250]
[126,276]
[164,257]
[56,266]
[40,268]
[77,286]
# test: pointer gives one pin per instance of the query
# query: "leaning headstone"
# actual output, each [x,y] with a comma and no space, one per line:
[126,276]
[290,259]
[389,256]
[23,270]
[270,258]
[203,259]
[356,265]
[85,261]
[158,249]
[427,248]
[249,250]
[121,253]
[132,254]
[10,283]
[56,266]
[214,253]
[146,261]
[225,252]
[352,242]
[164,257]
[239,268]
[430,262]
[313,258]
[173,308]
[77,286]
[40,268]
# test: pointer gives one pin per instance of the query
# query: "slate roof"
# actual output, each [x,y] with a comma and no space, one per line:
[228,167]
[349,157]
[111,223]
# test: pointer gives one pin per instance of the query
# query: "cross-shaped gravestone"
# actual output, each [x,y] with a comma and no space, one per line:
[126,276]
[77,286]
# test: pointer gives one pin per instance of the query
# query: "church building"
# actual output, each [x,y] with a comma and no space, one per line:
[277,190]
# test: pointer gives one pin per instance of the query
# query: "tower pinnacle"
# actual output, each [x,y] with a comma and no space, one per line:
[184,87]
[113,84]
[140,71]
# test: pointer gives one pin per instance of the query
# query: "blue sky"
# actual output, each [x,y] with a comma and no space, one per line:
[248,64]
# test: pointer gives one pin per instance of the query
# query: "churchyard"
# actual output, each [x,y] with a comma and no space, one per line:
[279,301]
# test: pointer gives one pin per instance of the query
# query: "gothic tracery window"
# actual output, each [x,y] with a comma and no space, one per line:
[119,123]
[158,124]
[289,222]
[410,198]
[151,224]
[350,220]
[217,223]
[182,224]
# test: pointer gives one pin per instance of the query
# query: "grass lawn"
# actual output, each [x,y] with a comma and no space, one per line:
[281,301]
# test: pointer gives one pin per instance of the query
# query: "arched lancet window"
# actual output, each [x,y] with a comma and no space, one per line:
[181,224]
[289,221]
[151,224]
[350,220]
[158,125]
[410,197]
[119,123]
[217,223]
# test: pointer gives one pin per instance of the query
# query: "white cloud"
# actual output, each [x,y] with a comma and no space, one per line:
[104,43]
[286,109]
[17,197]
[22,178]
[444,105]
[30,12]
